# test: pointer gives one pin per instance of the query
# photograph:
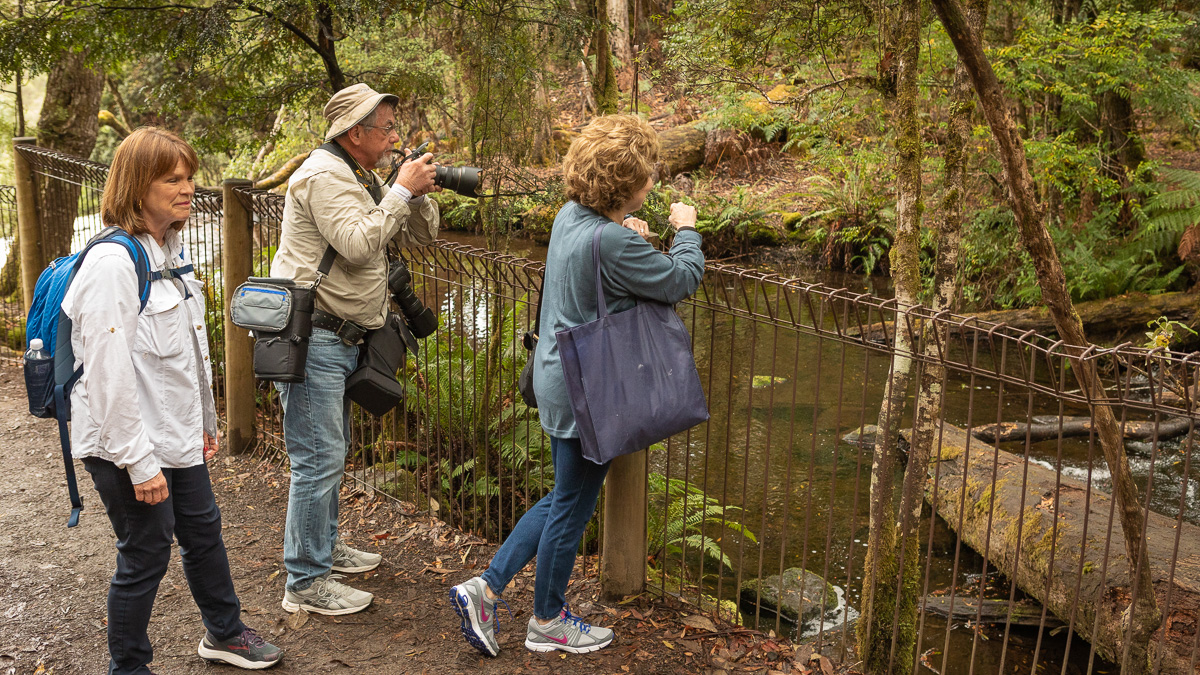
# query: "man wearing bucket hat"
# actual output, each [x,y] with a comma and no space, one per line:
[335,200]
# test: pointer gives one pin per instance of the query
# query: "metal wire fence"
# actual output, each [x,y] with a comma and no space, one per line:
[761,514]
[12,314]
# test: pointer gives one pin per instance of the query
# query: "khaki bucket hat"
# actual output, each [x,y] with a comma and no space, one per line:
[351,106]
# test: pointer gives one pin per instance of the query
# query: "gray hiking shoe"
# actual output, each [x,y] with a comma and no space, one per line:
[567,633]
[477,615]
[246,650]
[327,596]
[351,560]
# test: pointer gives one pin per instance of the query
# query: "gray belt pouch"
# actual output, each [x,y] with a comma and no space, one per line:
[279,312]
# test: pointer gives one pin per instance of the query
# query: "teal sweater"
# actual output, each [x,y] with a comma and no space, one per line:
[630,269]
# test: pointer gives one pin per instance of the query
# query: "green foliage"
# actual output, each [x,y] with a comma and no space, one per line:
[465,394]
[853,221]
[1099,259]
[1172,207]
[1162,332]
[683,515]
[1116,51]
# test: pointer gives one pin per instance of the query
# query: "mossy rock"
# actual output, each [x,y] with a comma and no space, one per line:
[763,234]
[797,595]
[561,140]
[537,221]
[863,437]
[790,219]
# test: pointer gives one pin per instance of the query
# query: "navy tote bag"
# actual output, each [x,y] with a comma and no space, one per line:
[631,377]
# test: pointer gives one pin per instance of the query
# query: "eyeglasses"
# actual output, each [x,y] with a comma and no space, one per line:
[387,131]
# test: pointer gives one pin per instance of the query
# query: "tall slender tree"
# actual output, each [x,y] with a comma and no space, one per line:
[887,630]
[1142,618]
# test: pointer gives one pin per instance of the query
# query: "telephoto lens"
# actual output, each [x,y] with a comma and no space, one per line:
[461,179]
[420,319]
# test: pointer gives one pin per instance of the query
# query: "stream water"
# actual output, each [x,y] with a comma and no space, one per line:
[780,403]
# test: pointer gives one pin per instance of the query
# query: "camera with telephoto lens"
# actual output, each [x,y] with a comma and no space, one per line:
[461,179]
[420,319]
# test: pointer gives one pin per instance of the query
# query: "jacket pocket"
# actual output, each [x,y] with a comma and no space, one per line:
[161,330]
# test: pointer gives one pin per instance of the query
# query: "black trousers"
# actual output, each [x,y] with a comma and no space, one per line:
[144,535]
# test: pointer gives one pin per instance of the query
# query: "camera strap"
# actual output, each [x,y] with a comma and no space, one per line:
[360,174]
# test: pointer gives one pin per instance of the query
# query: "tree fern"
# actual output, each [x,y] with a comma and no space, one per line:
[1170,211]
[679,514]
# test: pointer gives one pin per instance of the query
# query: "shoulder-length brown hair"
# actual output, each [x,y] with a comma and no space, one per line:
[145,155]
[610,161]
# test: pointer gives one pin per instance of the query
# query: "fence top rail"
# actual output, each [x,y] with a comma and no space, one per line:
[860,318]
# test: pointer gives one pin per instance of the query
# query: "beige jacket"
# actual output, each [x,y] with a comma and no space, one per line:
[326,205]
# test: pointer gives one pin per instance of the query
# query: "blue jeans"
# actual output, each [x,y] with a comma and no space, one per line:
[316,430]
[144,533]
[551,530]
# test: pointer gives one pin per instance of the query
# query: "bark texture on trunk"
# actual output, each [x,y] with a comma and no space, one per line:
[887,628]
[1037,538]
[69,123]
[1144,618]
[604,80]
[931,383]
[618,15]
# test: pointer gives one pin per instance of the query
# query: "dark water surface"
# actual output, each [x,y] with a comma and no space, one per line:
[780,402]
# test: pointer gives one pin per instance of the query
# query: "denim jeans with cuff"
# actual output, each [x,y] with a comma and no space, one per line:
[551,530]
[316,431]
[144,532]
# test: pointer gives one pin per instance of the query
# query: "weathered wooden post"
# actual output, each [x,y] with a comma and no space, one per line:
[623,564]
[239,346]
[29,230]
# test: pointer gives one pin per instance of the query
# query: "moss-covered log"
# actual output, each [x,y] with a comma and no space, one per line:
[1079,426]
[1118,315]
[681,149]
[1036,537]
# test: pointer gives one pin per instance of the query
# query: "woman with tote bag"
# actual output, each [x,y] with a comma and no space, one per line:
[608,172]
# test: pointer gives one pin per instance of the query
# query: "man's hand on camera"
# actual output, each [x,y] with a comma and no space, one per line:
[682,215]
[418,175]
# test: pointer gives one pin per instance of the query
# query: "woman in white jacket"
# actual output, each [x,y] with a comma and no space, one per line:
[144,418]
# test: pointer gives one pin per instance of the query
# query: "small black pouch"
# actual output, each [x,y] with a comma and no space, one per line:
[530,340]
[373,385]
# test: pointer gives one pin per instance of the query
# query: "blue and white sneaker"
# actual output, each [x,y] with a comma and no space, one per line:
[568,633]
[477,615]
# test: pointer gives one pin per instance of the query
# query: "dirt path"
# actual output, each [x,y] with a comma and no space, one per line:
[54,581]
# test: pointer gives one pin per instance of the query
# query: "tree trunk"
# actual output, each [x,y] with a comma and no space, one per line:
[69,123]
[1025,509]
[327,48]
[681,149]
[604,80]
[1143,617]
[887,629]
[930,386]
[618,15]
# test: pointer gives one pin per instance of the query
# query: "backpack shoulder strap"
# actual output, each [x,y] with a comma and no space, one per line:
[66,374]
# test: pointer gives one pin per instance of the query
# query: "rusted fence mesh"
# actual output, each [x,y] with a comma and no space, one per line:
[761,514]
[12,314]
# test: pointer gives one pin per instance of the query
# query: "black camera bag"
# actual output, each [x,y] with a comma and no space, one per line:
[282,356]
[373,385]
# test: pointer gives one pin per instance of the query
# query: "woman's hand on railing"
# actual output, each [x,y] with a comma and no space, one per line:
[682,215]
[640,226]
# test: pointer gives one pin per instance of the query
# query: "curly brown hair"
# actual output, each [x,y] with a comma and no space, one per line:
[610,161]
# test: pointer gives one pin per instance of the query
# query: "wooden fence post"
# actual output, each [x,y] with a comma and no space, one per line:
[239,346]
[623,563]
[28,227]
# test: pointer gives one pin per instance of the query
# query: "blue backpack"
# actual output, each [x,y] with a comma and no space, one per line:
[48,382]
